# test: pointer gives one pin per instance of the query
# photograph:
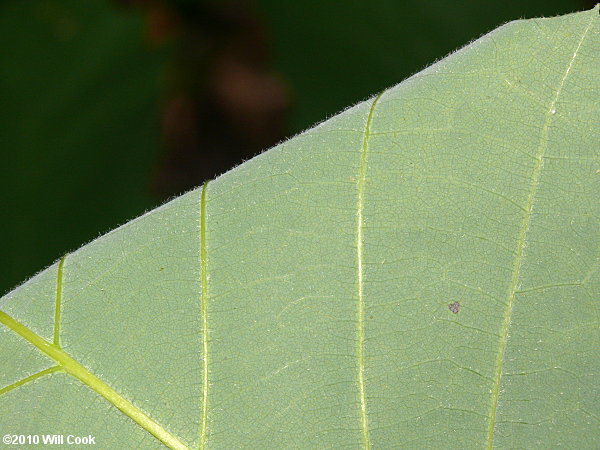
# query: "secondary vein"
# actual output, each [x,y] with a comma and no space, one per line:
[58,303]
[522,240]
[204,307]
[30,378]
[360,328]
[74,368]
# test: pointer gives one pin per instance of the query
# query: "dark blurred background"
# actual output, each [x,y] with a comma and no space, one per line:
[108,108]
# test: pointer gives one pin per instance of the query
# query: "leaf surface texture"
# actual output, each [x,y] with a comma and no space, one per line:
[422,270]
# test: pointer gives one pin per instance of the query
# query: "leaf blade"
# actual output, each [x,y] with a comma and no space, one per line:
[418,231]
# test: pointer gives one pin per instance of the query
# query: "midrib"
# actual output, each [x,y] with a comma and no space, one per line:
[74,368]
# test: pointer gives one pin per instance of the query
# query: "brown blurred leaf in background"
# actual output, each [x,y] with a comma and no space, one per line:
[223,103]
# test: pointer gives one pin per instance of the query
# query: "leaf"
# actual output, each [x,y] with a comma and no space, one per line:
[422,270]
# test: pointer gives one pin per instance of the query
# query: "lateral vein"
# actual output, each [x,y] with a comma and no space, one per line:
[522,241]
[360,328]
[204,307]
[58,302]
[29,379]
[67,363]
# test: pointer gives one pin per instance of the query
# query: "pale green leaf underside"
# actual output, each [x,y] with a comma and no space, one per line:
[301,299]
